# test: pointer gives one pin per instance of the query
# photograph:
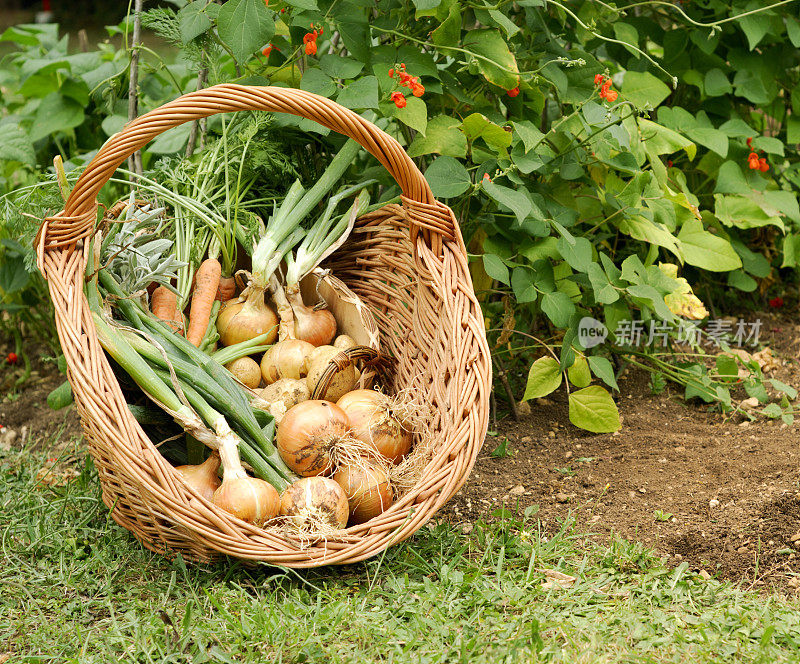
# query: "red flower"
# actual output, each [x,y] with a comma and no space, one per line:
[418,90]
[398,99]
[486,177]
[763,166]
[391,73]
[513,92]
[310,40]
[752,161]
[267,50]
[776,302]
[750,142]
[669,163]
[12,358]
[598,79]
[606,92]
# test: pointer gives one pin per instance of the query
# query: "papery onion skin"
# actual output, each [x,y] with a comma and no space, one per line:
[342,381]
[246,370]
[307,435]
[248,498]
[242,320]
[286,359]
[288,391]
[372,423]
[367,489]
[318,327]
[314,501]
[203,477]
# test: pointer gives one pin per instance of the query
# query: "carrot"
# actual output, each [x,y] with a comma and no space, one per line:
[206,283]
[226,289]
[164,304]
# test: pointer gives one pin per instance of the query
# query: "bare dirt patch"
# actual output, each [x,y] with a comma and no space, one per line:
[720,494]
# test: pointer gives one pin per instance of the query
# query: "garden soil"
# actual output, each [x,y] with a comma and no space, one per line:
[721,494]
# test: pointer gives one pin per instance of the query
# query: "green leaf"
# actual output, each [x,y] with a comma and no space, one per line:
[245,26]
[727,367]
[447,177]
[523,285]
[497,63]
[743,212]
[643,229]
[559,307]
[643,89]
[788,390]
[772,410]
[477,126]
[577,253]
[754,26]
[171,141]
[604,292]
[60,397]
[627,33]
[449,31]
[496,268]
[662,140]
[315,81]
[784,202]
[361,93]
[604,370]
[425,5]
[337,66]
[579,374]
[193,21]
[793,129]
[702,249]
[793,30]
[730,179]
[15,145]
[55,113]
[741,281]
[768,144]
[308,5]
[442,135]
[516,201]
[711,138]
[593,409]
[716,83]
[529,133]
[544,377]
[414,114]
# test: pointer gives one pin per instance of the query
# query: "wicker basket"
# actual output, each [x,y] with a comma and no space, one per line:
[407,263]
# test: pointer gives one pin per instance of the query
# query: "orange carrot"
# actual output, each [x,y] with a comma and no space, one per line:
[206,282]
[164,304]
[226,289]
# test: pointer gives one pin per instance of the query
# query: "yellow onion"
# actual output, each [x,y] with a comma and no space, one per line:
[367,489]
[373,422]
[309,434]
[246,369]
[315,504]
[202,478]
[286,359]
[248,498]
[244,319]
[342,381]
[317,327]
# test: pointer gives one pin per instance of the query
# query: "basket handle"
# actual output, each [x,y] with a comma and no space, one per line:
[427,217]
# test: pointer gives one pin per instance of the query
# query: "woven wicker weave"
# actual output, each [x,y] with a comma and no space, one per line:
[408,264]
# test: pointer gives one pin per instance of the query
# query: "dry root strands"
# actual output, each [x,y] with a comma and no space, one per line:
[367,489]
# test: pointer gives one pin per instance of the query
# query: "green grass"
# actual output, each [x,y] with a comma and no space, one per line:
[77,588]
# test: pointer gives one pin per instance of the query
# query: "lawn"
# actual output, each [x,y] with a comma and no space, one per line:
[78,588]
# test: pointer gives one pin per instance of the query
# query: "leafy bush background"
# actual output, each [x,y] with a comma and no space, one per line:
[584,199]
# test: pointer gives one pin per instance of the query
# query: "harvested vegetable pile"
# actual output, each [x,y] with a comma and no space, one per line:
[264,400]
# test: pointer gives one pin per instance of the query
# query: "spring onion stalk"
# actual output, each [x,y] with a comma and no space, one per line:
[259,464]
[242,414]
[202,371]
[152,385]
[297,205]
[250,347]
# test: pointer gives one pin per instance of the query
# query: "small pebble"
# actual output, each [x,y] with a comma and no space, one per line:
[562,498]
[795,538]
[523,409]
[713,503]
[705,575]
[517,490]
[525,439]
